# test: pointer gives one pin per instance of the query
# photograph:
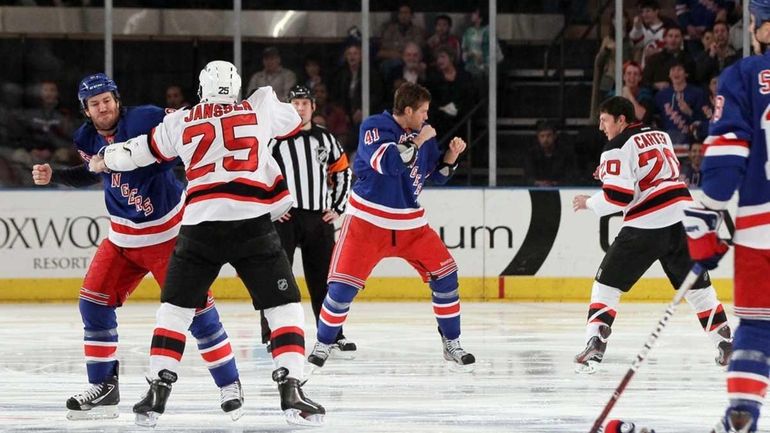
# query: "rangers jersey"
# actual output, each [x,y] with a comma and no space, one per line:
[640,177]
[736,155]
[145,205]
[230,172]
[386,190]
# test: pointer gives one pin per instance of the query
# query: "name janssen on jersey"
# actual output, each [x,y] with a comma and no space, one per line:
[648,139]
[207,111]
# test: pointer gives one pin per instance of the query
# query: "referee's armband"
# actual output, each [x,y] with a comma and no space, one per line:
[408,151]
[446,169]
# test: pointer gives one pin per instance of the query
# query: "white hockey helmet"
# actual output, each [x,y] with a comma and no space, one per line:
[219,83]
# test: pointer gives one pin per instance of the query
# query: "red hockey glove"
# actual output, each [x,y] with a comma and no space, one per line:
[618,426]
[701,226]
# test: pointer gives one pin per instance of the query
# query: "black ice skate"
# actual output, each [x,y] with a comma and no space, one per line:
[153,404]
[588,360]
[99,401]
[297,408]
[344,348]
[459,359]
[320,354]
[737,422]
[231,397]
[725,347]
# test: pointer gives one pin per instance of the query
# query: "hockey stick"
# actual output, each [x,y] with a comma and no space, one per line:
[686,285]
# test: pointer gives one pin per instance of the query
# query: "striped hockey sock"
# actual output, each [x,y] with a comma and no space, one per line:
[446,305]
[334,311]
[100,340]
[214,347]
[168,338]
[288,338]
[602,310]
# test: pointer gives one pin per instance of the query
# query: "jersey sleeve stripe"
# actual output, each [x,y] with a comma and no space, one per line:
[339,165]
[617,196]
[376,160]
[748,221]
[154,150]
[293,131]
[726,150]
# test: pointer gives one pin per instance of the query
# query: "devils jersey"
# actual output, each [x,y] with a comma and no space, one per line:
[640,177]
[737,147]
[145,205]
[230,172]
[386,190]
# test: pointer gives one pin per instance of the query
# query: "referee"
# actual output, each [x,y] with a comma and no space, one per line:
[318,174]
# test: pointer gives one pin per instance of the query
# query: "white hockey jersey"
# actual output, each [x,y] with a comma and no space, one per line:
[640,177]
[230,172]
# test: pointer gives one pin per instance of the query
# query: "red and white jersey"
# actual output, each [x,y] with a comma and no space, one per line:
[230,172]
[640,177]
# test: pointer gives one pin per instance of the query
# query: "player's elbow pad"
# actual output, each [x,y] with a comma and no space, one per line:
[408,152]
[129,155]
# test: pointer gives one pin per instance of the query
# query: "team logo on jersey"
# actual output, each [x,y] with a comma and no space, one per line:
[283,284]
[322,155]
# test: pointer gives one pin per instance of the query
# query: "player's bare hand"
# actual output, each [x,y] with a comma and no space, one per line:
[329,216]
[579,202]
[285,217]
[426,133]
[597,173]
[97,165]
[456,147]
[41,174]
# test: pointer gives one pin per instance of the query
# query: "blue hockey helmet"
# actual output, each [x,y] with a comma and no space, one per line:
[760,9]
[96,84]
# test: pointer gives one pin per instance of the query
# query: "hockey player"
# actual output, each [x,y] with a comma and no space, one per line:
[736,158]
[640,177]
[145,210]
[234,189]
[396,154]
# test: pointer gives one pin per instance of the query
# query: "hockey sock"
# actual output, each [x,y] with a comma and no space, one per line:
[334,311]
[710,312]
[747,375]
[604,301]
[100,340]
[168,338]
[446,305]
[288,337]
[214,346]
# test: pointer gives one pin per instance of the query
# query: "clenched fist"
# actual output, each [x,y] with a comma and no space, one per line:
[41,174]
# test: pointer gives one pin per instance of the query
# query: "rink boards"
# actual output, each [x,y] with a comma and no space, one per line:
[515,244]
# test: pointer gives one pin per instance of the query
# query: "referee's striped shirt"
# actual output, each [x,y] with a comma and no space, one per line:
[315,168]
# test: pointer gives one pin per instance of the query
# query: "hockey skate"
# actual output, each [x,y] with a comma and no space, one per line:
[725,347]
[231,397]
[99,401]
[344,348]
[319,355]
[738,422]
[459,359]
[297,408]
[153,403]
[588,360]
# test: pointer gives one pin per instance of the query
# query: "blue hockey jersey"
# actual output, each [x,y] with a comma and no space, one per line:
[736,155]
[386,190]
[145,205]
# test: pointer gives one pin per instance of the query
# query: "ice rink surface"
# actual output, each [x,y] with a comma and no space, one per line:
[524,380]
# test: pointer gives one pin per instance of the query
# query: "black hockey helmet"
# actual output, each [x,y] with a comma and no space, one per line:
[301,92]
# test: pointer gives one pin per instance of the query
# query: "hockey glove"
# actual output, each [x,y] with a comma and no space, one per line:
[701,226]
[618,426]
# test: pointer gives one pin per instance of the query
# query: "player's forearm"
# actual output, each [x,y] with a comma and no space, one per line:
[76,177]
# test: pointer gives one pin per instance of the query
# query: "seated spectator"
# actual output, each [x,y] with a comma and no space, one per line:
[452,92]
[640,96]
[395,35]
[717,56]
[443,37]
[656,71]
[330,114]
[273,75]
[475,45]
[346,91]
[312,72]
[695,16]
[549,162]
[175,97]
[679,106]
[648,29]
[690,173]
[411,69]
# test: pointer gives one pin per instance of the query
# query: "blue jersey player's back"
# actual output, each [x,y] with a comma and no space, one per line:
[736,155]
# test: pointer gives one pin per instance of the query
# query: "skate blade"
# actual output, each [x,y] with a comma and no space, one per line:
[98,412]
[458,368]
[293,416]
[147,419]
[343,354]
[235,414]
[590,367]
